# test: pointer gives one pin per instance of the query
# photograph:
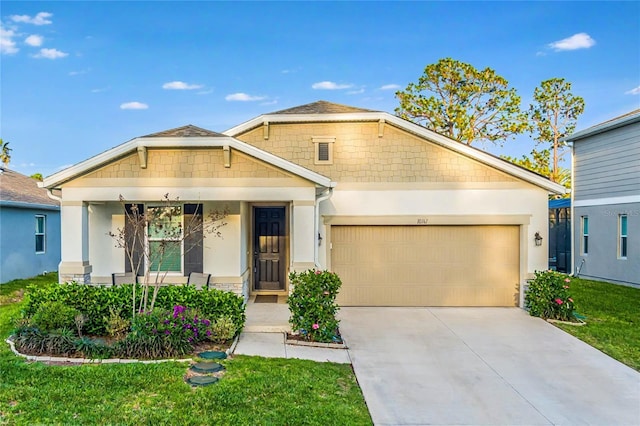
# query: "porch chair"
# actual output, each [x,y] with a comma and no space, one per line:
[199,279]
[124,278]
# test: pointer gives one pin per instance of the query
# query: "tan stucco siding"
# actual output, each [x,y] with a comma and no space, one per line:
[360,155]
[185,164]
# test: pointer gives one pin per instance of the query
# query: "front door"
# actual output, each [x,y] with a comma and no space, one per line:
[269,248]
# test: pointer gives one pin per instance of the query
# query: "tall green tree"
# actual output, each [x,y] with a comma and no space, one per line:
[469,105]
[539,162]
[5,153]
[553,115]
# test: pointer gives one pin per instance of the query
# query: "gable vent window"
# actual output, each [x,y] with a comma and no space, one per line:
[323,147]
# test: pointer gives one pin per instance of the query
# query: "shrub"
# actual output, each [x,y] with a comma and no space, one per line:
[115,325]
[548,296]
[91,348]
[222,329]
[54,315]
[30,339]
[60,342]
[163,333]
[98,302]
[312,305]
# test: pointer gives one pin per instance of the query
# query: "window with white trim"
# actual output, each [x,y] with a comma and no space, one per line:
[41,229]
[323,149]
[585,235]
[622,236]
[165,238]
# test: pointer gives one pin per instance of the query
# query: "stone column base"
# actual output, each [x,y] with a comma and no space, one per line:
[75,271]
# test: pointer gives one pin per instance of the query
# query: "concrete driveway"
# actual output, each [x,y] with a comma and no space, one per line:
[483,366]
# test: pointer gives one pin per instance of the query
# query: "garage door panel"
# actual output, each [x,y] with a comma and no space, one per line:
[426,266]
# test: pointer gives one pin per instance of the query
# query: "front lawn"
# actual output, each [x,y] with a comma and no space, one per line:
[253,390]
[613,319]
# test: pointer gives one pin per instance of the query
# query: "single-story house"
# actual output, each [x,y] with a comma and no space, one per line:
[405,216]
[29,228]
[606,200]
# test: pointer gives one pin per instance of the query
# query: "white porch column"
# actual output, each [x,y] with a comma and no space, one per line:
[302,235]
[74,217]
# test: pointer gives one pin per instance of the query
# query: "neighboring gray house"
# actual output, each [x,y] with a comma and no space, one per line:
[29,228]
[606,200]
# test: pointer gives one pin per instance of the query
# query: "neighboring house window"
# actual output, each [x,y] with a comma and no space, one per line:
[622,238]
[41,226]
[585,235]
[164,238]
[323,147]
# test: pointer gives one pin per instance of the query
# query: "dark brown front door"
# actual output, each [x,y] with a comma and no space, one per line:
[269,248]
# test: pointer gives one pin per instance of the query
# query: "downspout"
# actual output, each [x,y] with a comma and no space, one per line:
[323,196]
[53,197]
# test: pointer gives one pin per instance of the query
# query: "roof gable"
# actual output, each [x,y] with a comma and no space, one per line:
[614,123]
[181,137]
[307,114]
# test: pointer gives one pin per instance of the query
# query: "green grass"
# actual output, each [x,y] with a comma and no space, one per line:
[613,319]
[253,391]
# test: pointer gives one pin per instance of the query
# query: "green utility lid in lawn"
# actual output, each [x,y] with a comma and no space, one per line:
[212,355]
[202,380]
[207,367]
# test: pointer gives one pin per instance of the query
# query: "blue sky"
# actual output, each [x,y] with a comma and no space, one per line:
[78,78]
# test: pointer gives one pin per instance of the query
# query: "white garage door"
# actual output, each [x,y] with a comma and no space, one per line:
[426,265]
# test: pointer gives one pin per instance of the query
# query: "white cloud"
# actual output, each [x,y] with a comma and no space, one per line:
[634,91]
[243,97]
[273,102]
[7,45]
[205,92]
[100,90]
[34,40]
[390,87]
[134,105]
[330,85]
[576,41]
[180,85]
[41,18]
[50,54]
[356,92]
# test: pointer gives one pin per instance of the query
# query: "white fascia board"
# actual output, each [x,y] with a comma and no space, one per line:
[603,127]
[301,118]
[177,142]
[421,131]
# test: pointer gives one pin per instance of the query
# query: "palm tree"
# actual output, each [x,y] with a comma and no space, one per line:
[5,153]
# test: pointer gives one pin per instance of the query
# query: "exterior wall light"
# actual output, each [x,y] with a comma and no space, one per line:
[538,239]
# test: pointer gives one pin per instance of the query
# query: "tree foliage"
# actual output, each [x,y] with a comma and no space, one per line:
[553,116]
[5,153]
[36,176]
[469,105]
[539,162]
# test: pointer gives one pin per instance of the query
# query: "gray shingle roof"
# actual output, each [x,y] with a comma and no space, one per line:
[19,188]
[322,107]
[188,131]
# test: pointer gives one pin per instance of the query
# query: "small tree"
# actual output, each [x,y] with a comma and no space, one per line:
[463,103]
[170,233]
[553,116]
[538,162]
[5,153]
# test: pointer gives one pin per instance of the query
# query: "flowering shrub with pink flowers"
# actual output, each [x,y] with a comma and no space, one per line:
[549,296]
[313,307]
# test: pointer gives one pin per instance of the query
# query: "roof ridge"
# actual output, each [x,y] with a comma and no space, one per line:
[188,131]
[321,107]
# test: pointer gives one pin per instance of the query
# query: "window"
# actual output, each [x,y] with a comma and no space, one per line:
[165,238]
[622,236]
[40,233]
[323,147]
[585,235]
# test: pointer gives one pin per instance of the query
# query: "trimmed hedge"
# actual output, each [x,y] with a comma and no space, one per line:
[97,301]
